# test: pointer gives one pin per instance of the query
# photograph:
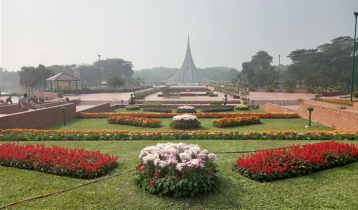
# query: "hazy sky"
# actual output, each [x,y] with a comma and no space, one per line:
[154,33]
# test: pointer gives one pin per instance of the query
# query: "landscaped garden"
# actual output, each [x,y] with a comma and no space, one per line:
[203,167]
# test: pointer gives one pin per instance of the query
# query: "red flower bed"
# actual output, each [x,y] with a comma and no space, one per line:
[58,160]
[200,115]
[275,164]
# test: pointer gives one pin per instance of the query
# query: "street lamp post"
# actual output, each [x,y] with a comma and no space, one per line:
[354,53]
[99,71]
[278,71]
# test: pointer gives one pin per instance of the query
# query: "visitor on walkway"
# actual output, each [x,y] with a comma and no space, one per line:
[132,99]
[8,100]
[23,102]
[225,100]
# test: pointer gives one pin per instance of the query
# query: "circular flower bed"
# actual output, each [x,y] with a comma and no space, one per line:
[186,109]
[176,169]
[185,121]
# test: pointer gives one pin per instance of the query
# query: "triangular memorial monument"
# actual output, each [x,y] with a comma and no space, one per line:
[188,72]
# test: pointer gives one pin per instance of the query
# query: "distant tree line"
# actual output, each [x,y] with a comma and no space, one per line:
[327,66]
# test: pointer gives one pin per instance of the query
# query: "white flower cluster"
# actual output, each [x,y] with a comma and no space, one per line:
[179,155]
[185,107]
[185,117]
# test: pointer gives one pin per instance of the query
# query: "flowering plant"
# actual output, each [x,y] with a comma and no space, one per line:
[235,121]
[176,169]
[185,121]
[135,121]
[273,115]
[338,101]
[241,107]
[58,160]
[186,109]
[275,164]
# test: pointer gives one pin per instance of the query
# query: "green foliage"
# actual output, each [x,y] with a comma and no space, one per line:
[215,102]
[191,181]
[143,94]
[219,109]
[32,78]
[185,124]
[186,110]
[115,81]
[289,84]
[152,103]
[157,110]
[132,107]
[355,94]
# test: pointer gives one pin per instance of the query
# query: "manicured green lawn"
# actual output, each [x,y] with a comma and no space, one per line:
[266,124]
[330,189]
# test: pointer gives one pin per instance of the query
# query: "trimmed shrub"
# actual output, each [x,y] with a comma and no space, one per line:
[241,107]
[217,109]
[157,110]
[132,107]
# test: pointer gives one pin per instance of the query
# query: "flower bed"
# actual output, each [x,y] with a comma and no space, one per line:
[188,94]
[132,107]
[157,110]
[79,163]
[78,135]
[135,121]
[241,107]
[281,163]
[176,169]
[217,109]
[337,101]
[235,121]
[186,109]
[200,115]
[185,121]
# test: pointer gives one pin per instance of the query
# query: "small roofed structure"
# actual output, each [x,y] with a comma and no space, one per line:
[63,77]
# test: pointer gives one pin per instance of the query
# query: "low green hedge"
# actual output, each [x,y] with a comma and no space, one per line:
[132,107]
[217,109]
[157,110]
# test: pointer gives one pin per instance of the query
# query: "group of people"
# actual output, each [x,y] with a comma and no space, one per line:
[23,102]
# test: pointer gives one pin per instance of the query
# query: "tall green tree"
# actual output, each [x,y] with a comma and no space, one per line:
[115,81]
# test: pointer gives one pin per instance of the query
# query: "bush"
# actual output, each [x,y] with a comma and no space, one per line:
[355,94]
[135,121]
[79,163]
[215,102]
[241,107]
[132,107]
[189,172]
[157,110]
[276,164]
[185,121]
[152,103]
[217,110]
[235,121]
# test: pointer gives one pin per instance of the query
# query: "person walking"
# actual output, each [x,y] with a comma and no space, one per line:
[23,102]
[225,100]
